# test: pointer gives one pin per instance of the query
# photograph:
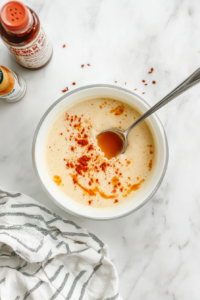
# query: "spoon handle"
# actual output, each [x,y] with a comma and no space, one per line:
[181,88]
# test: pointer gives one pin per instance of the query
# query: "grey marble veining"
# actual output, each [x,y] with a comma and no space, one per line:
[157,249]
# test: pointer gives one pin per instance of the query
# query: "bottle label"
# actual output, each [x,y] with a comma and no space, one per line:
[35,54]
[1,76]
[18,91]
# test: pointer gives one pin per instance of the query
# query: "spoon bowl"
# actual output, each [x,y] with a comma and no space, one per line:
[120,135]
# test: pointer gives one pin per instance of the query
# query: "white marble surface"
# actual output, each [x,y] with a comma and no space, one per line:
[157,249]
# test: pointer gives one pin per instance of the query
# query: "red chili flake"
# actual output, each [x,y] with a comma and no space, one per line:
[103,166]
[97,180]
[125,83]
[61,133]
[145,83]
[85,136]
[91,147]
[72,149]
[116,201]
[65,90]
[79,169]
[73,83]
[143,80]
[115,81]
[152,69]
[143,93]
[69,165]
[90,202]
[135,89]
[153,82]
[83,142]
[82,66]
[64,46]
[89,183]
[83,160]
[88,65]
[83,163]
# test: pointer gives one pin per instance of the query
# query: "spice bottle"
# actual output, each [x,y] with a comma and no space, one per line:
[24,36]
[12,86]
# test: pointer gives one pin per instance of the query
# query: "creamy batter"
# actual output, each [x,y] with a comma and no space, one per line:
[79,168]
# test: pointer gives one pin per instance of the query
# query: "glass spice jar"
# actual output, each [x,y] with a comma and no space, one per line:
[24,36]
[12,86]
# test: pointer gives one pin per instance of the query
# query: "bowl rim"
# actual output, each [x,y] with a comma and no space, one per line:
[37,132]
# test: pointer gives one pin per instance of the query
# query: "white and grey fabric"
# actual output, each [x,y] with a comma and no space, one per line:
[44,256]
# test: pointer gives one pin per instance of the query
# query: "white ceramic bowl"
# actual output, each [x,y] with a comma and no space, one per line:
[77,96]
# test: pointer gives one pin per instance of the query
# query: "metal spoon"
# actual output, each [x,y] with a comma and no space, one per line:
[181,88]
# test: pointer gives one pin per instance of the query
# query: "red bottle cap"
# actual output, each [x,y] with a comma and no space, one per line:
[14,16]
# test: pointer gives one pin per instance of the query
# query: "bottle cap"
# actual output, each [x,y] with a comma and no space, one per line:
[14,16]
[3,79]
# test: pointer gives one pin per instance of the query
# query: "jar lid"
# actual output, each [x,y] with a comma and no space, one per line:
[14,16]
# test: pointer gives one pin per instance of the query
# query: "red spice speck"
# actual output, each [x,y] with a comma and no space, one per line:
[116,201]
[103,166]
[65,90]
[153,82]
[64,46]
[83,142]
[83,160]
[152,69]
[82,66]
[73,83]
[143,93]
[90,202]
[61,133]
[125,83]
[143,80]
[90,148]
[115,81]
[88,65]
[145,83]
[135,89]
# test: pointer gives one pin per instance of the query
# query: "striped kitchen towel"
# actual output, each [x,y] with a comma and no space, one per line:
[44,256]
